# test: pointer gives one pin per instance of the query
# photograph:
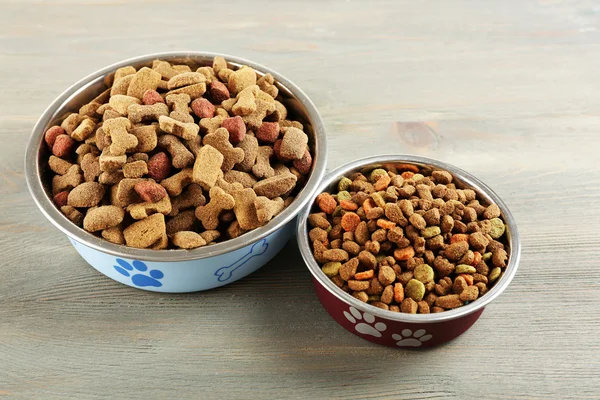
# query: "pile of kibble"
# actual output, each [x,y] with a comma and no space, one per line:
[407,239]
[171,156]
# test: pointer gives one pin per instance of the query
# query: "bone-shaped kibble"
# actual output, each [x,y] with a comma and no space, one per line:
[265,105]
[266,83]
[244,178]
[68,181]
[246,101]
[262,168]
[191,197]
[139,113]
[144,79]
[185,79]
[245,210]
[85,129]
[209,214]
[58,165]
[111,162]
[250,147]
[210,125]
[183,130]
[229,187]
[121,140]
[207,168]
[71,122]
[111,177]
[187,240]
[74,215]
[176,183]
[180,155]
[120,103]
[120,86]
[147,137]
[179,104]
[266,209]
[84,149]
[280,112]
[142,210]
[90,165]
[240,79]
[165,69]
[184,221]
[123,72]
[220,141]
[194,145]
[135,169]
[223,274]
[146,232]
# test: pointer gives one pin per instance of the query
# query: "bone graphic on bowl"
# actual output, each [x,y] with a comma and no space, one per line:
[258,248]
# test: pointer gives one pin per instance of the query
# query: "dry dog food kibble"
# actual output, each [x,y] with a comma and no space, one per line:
[408,239]
[179,156]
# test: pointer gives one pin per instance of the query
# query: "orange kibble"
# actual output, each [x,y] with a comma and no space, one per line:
[363,276]
[408,167]
[350,221]
[383,182]
[385,223]
[468,278]
[368,204]
[326,203]
[398,292]
[348,205]
[404,254]
[476,258]
[459,237]
[407,174]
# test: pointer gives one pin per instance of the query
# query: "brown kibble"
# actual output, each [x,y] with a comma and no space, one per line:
[367,259]
[87,194]
[443,177]
[470,293]
[449,301]
[499,257]
[187,240]
[219,201]
[478,241]
[104,217]
[336,255]
[348,269]
[146,232]
[409,306]
[423,307]
[456,250]
[72,214]
[275,186]
[417,221]
[358,285]
[135,169]
[68,181]
[492,211]
[386,275]
[293,144]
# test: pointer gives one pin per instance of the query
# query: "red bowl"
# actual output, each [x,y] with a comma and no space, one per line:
[399,329]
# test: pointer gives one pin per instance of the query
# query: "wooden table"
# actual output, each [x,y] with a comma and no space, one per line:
[506,89]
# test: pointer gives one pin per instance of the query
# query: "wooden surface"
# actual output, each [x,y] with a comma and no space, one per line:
[505,89]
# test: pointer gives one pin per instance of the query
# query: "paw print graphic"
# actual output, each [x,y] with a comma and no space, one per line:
[407,338]
[152,278]
[366,327]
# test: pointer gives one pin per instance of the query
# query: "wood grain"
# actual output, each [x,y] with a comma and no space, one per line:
[504,89]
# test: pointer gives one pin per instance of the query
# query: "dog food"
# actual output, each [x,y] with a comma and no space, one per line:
[178,156]
[407,239]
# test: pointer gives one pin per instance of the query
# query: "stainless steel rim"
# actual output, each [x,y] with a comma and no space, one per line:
[34,181]
[480,187]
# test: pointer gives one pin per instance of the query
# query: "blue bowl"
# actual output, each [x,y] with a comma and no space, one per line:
[176,270]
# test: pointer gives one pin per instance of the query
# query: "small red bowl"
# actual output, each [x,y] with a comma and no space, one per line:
[399,329]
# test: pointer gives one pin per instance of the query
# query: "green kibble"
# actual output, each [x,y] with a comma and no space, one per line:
[430,232]
[415,290]
[464,269]
[498,228]
[486,256]
[380,257]
[374,297]
[344,184]
[337,212]
[379,201]
[423,273]
[377,173]
[331,268]
[494,274]
[344,195]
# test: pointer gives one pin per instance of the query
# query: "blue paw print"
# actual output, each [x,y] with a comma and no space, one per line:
[141,280]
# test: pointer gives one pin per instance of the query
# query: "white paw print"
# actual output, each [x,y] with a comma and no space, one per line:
[409,339]
[362,327]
